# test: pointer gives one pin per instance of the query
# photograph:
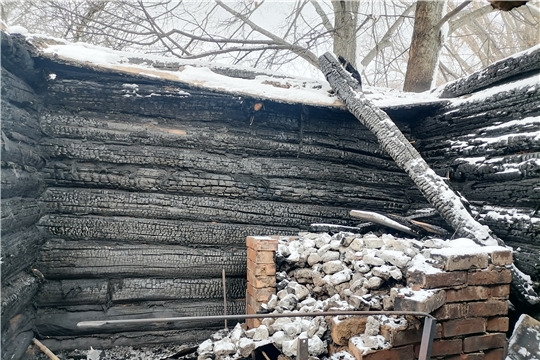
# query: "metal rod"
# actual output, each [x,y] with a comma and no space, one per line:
[302,348]
[224,295]
[97,324]
[427,339]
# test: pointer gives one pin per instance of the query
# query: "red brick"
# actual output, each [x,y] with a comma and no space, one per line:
[453,262]
[401,353]
[469,356]
[496,354]
[261,295]
[463,326]
[492,276]
[469,293]
[408,336]
[502,257]
[261,269]
[499,291]
[426,305]
[488,308]
[260,257]
[438,280]
[443,347]
[260,281]
[498,324]
[483,342]
[451,311]
[264,243]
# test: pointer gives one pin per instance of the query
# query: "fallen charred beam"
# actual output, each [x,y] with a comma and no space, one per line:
[62,322]
[17,334]
[90,259]
[116,291]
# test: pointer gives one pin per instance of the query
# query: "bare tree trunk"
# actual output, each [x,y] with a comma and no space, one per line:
[425,46]
[345,22]
[392,140]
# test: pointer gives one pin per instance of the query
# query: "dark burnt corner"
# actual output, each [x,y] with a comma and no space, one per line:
[125,196]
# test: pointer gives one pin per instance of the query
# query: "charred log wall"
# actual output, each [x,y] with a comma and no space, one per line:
[22,184]
[488,146]
[153,188]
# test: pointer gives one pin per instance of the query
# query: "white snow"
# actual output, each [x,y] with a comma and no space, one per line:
[266,85]
[531,82]
[17,29]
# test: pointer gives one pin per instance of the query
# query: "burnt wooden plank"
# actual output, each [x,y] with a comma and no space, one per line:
[56,293]
[17,334]
[17,294]
[63,321]
[154,231]
[19,251]
[89,259]
[18,213]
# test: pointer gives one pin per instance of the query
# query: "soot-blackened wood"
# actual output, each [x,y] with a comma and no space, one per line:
[19,182]
[175,207]
[349,143]
[436,191]
[101,291]
[15,152]
[512,224]
[20,123]
[17,334]
[16,57]
[526,257]
[154,231]
[373,188]
[61,259]
[480,110]
[517,64]
[58,322]
[19,251]
[134,339]
[18,213]
[197,160]
[16,294]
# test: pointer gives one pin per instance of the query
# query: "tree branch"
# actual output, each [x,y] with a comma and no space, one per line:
[298,50]
[325,21]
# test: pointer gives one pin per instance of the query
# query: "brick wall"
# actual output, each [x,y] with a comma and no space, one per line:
[470,304]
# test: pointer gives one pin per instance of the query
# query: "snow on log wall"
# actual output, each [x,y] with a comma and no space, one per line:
[153,187]
[488,145]
[21,186]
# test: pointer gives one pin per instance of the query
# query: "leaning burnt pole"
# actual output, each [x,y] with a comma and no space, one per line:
[432,186]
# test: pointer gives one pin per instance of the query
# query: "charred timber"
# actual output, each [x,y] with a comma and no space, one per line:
[19,213]
[154,231]
[17,334]
[175,207]
[105,341]
[505,69]
[62,322]
[19,251]
[89,259]
[60,293]
[17,182]
[16,294]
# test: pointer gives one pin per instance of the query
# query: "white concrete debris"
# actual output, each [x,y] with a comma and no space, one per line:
[319,272]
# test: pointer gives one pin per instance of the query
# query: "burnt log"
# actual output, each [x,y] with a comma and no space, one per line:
[19,213]
[505,69]
[154,231]
[20,124]
[116,291]
[17,334]
[19,182]
[16,294]
[134,338]
[16,152]
[373,188]
[16,57]
[63,321]
[61,259]
[19,251]
[175,207]
[512,224]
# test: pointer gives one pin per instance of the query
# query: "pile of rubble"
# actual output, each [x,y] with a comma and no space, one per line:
[319,272]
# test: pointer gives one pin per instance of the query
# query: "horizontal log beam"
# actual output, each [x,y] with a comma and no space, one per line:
[89,259]
[115,291]
[154,231]
[62,322]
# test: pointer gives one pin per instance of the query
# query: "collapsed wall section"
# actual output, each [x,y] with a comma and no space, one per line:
[22,184]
